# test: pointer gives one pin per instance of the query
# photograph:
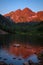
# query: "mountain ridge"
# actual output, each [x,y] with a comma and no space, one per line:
[25,15]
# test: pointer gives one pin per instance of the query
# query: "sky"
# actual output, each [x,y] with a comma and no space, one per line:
[7,6]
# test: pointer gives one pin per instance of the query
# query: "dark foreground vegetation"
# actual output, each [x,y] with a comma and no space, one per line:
[30,28]
[33,30]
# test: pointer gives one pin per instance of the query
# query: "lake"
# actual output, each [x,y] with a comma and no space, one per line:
[17,49]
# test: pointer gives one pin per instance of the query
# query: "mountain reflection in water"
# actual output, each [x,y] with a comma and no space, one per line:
[18,47]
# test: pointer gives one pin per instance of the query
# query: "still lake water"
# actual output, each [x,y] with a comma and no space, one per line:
[17,49]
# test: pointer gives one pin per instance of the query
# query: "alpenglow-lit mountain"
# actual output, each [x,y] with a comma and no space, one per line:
[25,15]
[6,24]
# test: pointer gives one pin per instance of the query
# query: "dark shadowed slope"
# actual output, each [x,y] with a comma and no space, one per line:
[6,24]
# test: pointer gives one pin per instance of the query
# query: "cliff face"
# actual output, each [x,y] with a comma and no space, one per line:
[25,15]
[40,15]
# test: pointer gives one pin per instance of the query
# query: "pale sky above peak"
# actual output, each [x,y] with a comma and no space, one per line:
[12,5]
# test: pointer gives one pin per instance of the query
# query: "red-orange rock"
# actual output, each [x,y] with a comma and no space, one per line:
[25,15]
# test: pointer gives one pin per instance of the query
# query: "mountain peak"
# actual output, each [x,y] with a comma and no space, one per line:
[18,11]
[25,15]
[27,9]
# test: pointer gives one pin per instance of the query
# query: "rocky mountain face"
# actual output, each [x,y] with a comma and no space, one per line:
[25,15]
